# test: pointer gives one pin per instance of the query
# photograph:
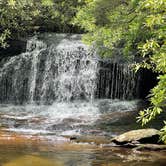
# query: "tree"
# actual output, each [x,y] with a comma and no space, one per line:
[154,52]
[20,17]
[140,25]
[108,23]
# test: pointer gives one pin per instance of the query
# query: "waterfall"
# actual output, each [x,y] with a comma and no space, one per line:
[59,67]
[59,86]
[117,81]
[47,72]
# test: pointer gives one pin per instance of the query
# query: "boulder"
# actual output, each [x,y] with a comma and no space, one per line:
[140,136]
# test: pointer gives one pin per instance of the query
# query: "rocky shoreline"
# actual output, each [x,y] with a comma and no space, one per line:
[141,139]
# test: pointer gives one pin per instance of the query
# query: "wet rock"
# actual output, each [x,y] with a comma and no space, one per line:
[16,47]
[90,139]
[138,136]
[71,120]
[60,126]
[153,147]
[37,120]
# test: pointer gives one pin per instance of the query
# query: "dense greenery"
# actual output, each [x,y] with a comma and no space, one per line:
[140,27]
[19,17]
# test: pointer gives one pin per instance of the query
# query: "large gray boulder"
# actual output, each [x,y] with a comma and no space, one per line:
[138,136]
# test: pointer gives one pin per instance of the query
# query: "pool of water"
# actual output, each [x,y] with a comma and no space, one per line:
[38,135]
[71,154]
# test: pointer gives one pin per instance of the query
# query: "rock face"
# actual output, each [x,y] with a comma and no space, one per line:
[16,47]
[138,136]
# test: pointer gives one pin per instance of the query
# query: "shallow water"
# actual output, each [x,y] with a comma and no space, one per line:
[66,118]
[56,154]
[33,135]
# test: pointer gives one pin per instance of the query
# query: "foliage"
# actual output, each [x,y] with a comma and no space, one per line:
[110,22]
[163,133]
[141,25]
[155,50]
[19,17]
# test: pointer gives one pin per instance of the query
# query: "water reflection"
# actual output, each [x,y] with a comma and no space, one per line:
[76,155]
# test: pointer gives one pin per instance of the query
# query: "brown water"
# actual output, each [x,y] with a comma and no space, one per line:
[39,135]
[23,151]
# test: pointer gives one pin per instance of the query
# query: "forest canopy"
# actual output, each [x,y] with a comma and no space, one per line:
[20,17]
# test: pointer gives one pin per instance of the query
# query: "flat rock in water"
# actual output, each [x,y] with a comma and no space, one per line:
[89,139]
[153,147]
[140,136]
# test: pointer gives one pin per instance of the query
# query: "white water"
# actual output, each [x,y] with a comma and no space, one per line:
[61,118]
[34,47]
[59,71]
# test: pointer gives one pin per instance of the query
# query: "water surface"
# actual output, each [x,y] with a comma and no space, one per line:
[38,135]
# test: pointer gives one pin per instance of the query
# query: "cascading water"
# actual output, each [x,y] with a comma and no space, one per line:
[50,72]
[65,78]
[117,81]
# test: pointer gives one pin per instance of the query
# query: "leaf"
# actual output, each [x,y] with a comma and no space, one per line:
[47,3]
[12,3]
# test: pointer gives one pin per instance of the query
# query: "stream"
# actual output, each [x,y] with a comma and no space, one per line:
[38,135]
